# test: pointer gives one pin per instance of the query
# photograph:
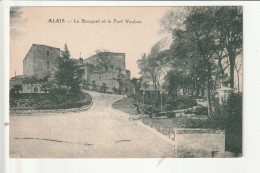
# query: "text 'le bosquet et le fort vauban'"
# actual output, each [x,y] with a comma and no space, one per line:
[89,21]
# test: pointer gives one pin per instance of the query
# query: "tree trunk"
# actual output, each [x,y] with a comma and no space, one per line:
[208,90]
[155,86]
[232,58]
[209,99]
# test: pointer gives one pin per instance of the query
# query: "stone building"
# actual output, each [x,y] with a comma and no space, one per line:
[28,84]
[111,72]
[41,61]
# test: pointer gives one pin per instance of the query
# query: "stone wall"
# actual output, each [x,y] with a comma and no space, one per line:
[28,64]
[111,74]
[45,60]
[207,140]
[32,88]
[41,60]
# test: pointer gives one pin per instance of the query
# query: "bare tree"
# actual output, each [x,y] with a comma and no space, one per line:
[104,59]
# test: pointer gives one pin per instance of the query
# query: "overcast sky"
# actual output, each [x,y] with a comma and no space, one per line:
[30,25]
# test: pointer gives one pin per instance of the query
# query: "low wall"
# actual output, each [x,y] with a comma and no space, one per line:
[207,140]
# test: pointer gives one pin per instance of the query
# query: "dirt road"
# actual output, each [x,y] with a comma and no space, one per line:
[99,132]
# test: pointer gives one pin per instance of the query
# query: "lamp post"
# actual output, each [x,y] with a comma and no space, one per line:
[161,99]
[143,96]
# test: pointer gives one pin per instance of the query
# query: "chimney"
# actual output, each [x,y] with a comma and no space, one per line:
[80,59]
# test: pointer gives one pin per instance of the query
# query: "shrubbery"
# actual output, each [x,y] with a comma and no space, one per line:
[228,117]
[180,102]
[57,99]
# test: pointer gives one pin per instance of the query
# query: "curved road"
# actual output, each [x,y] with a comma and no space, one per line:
[100,132]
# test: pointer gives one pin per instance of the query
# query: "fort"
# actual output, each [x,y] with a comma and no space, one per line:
[103,68]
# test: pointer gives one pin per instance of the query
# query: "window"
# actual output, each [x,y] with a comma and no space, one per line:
[48,64]
[47,52]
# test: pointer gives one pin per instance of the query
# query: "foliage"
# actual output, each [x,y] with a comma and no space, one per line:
[206,41]
[149,110]
[174,81]
[179,102]
[137,84]
[228,116]
[66,74]
[17,88]
[48,86]
[115,90]
[57,99]
[171,114]
[151,65]
[103,88]
[229,26]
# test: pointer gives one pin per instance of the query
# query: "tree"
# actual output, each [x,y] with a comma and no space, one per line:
[229,26]
[151,65]
[104,59]
[137,84]
[65,54]
[193,49]
[172,82]
[48,86]
[66,74]
[200,27]
[206,42]
[173,19]
[183,62]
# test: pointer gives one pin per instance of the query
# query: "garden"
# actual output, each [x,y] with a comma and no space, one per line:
[47,101]
[227,116]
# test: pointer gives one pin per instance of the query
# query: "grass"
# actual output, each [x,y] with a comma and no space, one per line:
[178,122]
[127,105]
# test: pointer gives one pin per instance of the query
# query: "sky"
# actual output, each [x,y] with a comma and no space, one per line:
[30,25]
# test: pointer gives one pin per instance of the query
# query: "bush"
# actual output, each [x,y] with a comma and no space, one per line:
[149,110]
[228,116]
[171,115]
[189,111]
[41,101]
[201,110]
[115,90]
[180,102]
[66,105]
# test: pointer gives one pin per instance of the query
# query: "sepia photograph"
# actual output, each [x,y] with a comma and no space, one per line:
[126,82]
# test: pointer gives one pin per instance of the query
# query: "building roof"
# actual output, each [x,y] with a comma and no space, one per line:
[45,46]
[21,77]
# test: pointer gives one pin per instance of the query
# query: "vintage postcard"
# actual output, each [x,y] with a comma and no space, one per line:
[126,82]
